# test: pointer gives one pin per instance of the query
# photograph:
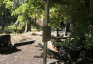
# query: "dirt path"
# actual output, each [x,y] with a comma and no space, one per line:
[28,54]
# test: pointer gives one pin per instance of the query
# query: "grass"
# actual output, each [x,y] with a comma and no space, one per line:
[13,27]
[34,30]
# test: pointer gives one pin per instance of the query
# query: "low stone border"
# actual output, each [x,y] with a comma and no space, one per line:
[56,55]
[53,62]
[24,43]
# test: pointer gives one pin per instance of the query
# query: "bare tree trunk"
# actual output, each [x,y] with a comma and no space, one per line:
[66,29]
[26,21]
[28,25]
[1,20]
[6,23]
[35,21]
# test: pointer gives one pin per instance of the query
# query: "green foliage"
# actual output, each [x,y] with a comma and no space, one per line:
[33,29]
[80,14]
[27,11]
[54,22]
[55,16]
[13,27]
[0,27]
[8,11]
[8,4]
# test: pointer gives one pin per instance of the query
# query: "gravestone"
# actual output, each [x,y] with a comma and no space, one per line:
[68,27]
[5,40]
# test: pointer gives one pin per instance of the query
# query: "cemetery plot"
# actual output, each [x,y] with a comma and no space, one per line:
[27,54]
[23,55]
[33,54]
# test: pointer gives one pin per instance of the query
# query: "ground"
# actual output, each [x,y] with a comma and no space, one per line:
[27,54]
[32,54]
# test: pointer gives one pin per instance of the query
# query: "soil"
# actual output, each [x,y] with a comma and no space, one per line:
[27,54]
[32,54]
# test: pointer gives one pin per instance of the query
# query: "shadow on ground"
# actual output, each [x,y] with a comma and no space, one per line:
[41,56]
[10,52]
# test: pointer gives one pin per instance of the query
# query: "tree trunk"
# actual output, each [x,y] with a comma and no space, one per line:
[28,25]
[66,29]
[35,21]
[5,10]
[1,19]
[5,22]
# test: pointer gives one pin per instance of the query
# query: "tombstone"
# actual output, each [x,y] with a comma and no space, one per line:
[62,26]
[5,40]
[68,27]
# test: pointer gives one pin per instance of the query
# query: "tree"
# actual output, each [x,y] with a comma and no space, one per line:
[79,12]
[1,20]
[4,14]
[5,10]
[24,14]
[28,25]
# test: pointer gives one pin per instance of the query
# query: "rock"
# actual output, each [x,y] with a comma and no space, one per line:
[33,33]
